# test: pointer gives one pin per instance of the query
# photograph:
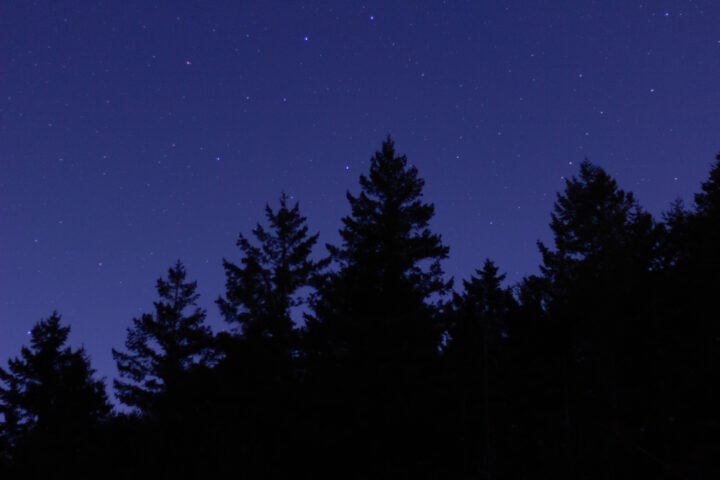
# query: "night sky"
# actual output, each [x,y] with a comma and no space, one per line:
[136,133]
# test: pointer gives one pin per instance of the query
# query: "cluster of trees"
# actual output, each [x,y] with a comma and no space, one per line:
[605,365]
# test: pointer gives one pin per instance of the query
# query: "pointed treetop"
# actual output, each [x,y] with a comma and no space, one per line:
[592,213]
[48,333]
[388,225]
[175,290]
[377,301]
[261,291]
[162,347]
[51,386]
[484,290]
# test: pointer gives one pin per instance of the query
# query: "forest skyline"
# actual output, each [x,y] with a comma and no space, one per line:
[605,365]
[208,302]
[172,172]
[134,135]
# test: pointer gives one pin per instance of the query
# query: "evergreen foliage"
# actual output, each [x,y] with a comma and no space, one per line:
[372,342]
[600,278]
[708,201]
[388,270]
[261,292]
[257,374]
[479,321]
[50,401]
[162,347]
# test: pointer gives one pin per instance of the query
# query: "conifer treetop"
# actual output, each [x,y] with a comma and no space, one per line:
[161,346]
[388,224]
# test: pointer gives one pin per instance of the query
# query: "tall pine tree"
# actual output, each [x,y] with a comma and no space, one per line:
[163,347]
[373,339]
[377,303]
[50,401]
[478,326]
[262,296]
[261,292]
[600,279]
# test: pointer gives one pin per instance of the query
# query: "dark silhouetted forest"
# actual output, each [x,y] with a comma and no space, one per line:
[605,365]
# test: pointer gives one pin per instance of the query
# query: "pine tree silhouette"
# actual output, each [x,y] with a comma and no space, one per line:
[163,347]
[258,372]
[479,323]
[372,341]
[375,305]
[50,402]
[261,292]
[600,275]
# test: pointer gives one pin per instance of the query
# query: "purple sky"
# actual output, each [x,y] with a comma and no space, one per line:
[135,133]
